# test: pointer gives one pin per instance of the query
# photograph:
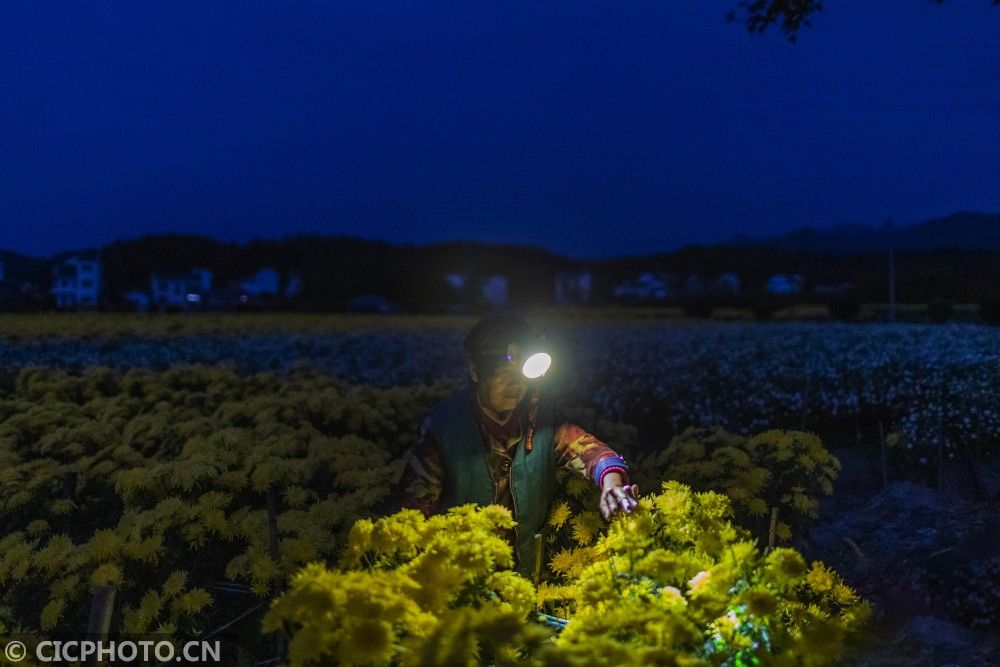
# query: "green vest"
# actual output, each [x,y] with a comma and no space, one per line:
[467,475]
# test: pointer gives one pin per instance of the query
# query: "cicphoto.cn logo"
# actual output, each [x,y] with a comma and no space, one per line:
[125,651]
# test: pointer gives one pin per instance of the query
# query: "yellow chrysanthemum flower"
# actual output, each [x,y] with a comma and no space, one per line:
[562,562]
[820,578]
[844,595]
[106,574]
[784,566]
[366,641]
[51,613]
[783,531]
[191,602]
[559,515]
[761,601]
[756,507]
[586,525]
[577,486]
[517,593]
[548,592]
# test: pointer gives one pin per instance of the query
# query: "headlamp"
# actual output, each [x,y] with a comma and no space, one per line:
[536,365]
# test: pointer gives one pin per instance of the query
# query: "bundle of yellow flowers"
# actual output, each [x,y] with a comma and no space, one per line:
[675,582]
[412,590]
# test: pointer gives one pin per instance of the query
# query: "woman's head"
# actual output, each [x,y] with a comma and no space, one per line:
[495,348]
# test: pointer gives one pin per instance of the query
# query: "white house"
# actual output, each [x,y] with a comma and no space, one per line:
[76,279]
[648,285]
[181,290]
[573,287]
[783,283]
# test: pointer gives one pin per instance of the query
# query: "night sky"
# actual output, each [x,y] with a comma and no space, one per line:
[590,128]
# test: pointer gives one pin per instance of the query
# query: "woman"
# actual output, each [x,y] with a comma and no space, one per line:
[497,442]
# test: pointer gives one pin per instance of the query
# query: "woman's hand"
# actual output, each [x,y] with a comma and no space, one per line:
[616,496]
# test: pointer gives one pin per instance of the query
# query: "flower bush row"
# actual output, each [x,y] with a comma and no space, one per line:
[935,386]
[675,582]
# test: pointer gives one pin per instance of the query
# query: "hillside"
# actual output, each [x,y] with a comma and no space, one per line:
[958,231]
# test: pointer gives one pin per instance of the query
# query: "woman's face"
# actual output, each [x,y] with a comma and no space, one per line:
[502,391]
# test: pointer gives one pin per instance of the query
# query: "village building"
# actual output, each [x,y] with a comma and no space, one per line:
[782,283]
[649,286]
[184,291]
[76,279]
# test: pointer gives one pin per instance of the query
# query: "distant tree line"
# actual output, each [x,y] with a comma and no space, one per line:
[335,269]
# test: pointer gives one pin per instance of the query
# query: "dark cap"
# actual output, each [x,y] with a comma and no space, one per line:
[487,342]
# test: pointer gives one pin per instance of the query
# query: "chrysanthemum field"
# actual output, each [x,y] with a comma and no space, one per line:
[811,494]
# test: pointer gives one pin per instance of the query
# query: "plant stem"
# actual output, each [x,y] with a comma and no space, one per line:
[774,525]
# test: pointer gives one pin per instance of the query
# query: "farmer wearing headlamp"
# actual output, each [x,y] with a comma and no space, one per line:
[500,442]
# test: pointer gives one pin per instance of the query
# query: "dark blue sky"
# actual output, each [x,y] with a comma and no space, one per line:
[592,128]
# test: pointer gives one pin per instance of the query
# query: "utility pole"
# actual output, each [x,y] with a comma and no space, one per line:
[892,271]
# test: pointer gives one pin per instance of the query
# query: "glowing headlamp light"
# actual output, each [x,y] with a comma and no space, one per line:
[536,365]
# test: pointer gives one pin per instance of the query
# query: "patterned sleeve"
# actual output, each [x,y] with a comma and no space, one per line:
[422,477]
[583,453]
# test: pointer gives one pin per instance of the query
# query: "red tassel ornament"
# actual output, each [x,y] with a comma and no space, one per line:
[532,416]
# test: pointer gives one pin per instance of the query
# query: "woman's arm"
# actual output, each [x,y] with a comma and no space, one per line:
[584,454]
